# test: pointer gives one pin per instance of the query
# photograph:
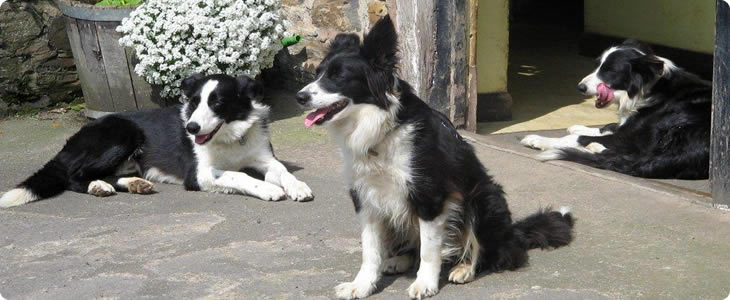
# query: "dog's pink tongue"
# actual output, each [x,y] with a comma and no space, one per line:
[315,116]
[200,139]
[605,95]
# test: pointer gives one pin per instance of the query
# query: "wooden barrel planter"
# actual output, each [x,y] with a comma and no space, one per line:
[106,69]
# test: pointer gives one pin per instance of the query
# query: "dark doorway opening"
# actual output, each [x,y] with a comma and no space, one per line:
[545,66]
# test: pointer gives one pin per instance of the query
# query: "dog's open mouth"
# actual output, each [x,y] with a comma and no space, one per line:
[605,95]
[322,115]
[204,138]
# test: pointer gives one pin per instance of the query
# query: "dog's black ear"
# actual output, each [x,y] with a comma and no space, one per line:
[638,45]
[380,46]
[188,84]
[250,88]
[644,69]
[380,49]
[345,42]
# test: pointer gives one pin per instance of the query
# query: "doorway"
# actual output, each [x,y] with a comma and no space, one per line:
[544,68]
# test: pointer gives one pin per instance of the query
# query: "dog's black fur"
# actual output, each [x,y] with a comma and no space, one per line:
[667,138]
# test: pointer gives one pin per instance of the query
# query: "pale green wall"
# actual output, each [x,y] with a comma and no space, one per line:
[685,24]
[492,45]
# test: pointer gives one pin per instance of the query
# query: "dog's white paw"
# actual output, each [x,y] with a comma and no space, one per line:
[397,264]
[584,130]
[533,141]
[595,147]
[354,290]
[298,191]
[421,289]
[136,185]
[100,188]
[269,192]
[461,273]
[577,129]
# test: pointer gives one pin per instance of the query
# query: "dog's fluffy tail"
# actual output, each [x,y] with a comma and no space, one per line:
[545,229]
[504,244]
[49,181]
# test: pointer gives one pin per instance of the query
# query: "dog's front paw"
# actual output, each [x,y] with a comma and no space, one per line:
[269,192]
[533,141]
[100,188]
[421,289]
[354,290]
[298,191]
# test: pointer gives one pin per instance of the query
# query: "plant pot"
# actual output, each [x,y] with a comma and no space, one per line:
[106,69]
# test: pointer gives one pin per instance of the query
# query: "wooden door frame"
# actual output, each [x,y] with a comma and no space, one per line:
[720,140]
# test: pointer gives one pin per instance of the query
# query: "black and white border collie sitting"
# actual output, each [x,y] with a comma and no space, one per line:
[664,118]
[417,186]
[202,145]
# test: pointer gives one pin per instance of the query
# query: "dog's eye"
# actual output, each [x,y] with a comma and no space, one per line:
[215,105]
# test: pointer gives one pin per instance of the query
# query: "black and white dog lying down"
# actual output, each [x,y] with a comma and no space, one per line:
[202,145]
[417,186]
[664,118]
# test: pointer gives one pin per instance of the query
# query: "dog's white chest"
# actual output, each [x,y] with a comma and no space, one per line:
[381,178]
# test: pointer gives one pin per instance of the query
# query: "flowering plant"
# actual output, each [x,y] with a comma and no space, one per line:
[174,39]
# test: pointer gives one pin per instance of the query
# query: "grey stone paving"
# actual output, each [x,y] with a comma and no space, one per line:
[633,239]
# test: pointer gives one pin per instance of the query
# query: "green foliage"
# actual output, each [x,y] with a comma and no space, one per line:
[27,111]
[118,2]
[76,107]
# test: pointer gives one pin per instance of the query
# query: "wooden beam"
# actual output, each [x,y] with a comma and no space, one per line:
[720,141]
[432,40]
[471,89]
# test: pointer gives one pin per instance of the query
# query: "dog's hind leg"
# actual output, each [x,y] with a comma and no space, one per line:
[134,185]
[465,271]
[546,143]
[597,144]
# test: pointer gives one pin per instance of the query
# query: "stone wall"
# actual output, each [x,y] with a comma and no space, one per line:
[36,64]
[317,22]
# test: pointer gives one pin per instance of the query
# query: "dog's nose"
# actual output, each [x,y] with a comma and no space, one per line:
[302,97]
[192,127]
[582,88]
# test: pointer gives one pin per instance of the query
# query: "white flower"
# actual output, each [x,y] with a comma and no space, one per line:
[174,39]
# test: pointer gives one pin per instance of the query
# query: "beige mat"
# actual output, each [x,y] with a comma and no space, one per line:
[584,113]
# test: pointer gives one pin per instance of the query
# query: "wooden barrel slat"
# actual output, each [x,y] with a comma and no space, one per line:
[115,64]
[72,30]
[142,90]
[99,96]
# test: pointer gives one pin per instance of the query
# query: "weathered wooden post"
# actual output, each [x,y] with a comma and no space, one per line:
[720,141]
[433,44]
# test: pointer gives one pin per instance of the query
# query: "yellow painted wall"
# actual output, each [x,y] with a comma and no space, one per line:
[492,45]
[685,24]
